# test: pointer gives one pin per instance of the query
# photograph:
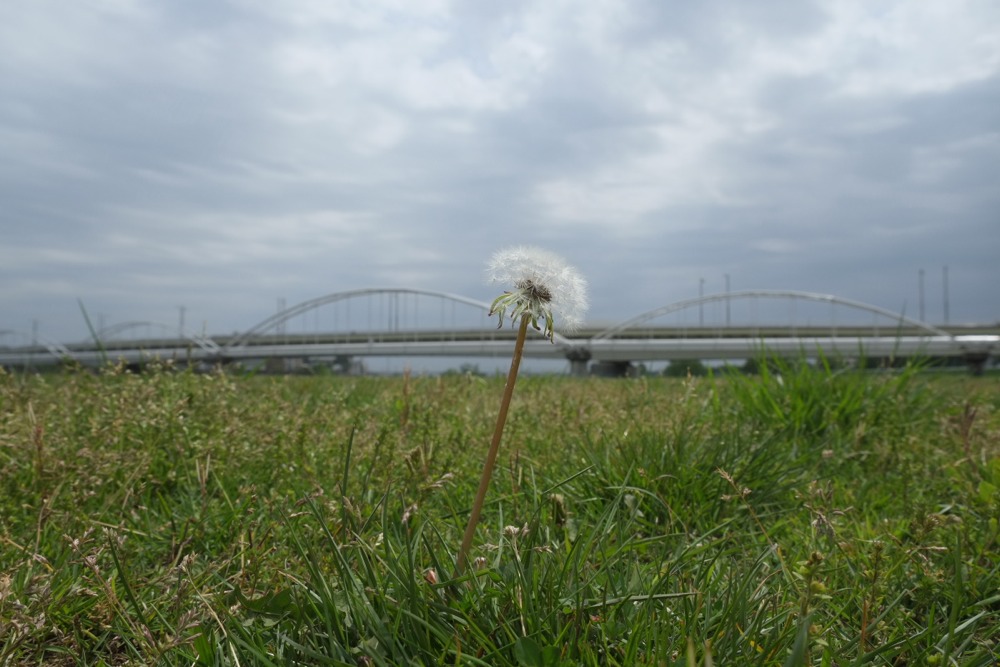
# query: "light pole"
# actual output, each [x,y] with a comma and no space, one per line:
[920,292]
[727,300]
[701,305]
[944,278]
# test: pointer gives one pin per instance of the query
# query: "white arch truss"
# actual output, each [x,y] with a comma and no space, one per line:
[772,294]
[285,315]
[113,330]
[55,348]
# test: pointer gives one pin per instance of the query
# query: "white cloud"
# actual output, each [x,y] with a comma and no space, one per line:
[221,238]
[310,144]
[898,47]
[359,16]
[777,246]
[15,257]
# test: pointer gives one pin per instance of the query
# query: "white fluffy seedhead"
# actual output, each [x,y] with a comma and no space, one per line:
[542,285]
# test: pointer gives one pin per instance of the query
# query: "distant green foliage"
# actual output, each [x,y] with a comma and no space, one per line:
[684,368]
[805,515]
[465,369]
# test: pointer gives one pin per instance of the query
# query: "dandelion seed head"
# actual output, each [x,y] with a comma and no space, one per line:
[543,286]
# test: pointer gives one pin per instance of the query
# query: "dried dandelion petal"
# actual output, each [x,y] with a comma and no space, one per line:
[543,286]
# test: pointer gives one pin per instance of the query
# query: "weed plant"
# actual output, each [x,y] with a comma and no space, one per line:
[806,516]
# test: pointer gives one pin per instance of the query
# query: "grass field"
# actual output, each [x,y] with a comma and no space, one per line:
[801,517]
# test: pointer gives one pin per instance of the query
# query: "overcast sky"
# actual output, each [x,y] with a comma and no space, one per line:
[223,155]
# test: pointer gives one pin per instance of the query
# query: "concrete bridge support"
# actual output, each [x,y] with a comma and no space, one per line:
[612,369]
[976,351]
[346,364]
[976,361]
[578,358]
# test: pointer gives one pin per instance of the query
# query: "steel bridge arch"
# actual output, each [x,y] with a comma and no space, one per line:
[113,330]
[775,294]
[283,316]
[56,349]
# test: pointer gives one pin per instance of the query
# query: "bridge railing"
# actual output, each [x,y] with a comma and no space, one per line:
[424,322]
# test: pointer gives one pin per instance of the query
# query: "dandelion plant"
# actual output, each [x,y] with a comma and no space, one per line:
[542,284]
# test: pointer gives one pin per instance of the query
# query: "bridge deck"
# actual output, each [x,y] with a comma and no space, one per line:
[507,334]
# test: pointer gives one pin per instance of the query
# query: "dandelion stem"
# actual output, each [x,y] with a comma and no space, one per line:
[491,456]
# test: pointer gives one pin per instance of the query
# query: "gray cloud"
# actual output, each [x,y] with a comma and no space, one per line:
[222,156]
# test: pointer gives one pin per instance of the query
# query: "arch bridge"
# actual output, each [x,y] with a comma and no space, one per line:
[882,319]
[341,328]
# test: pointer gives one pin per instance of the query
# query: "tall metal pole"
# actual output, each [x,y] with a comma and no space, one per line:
[281,309]
[701,306]
[727,300]
[920,293]
[944,278]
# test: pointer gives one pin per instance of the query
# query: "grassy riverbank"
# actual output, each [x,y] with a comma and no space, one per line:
[813,517]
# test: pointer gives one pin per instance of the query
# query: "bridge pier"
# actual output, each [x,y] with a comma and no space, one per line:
[976,361]
[275,366]
[613,369]
[345,364]
[976,351]
[578,359]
